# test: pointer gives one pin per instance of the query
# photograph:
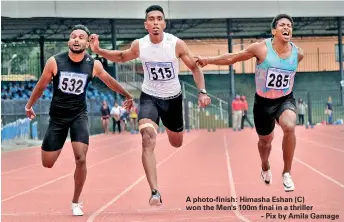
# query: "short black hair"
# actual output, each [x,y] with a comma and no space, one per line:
[279,17]
[155,8]
[82,27]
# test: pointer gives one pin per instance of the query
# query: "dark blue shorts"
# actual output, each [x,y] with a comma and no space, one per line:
[58,128]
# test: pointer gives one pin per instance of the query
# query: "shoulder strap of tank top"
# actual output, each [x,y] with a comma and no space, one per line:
[142,41]
[294,49]
[60,57]
[268,43]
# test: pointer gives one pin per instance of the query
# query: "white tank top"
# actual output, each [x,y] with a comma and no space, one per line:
[161,67]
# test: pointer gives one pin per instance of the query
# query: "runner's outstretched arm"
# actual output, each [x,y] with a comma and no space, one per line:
[115,55]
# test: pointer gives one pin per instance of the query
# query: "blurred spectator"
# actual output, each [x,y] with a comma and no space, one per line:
[116,117]
[301,111]
[124,117]
[105,111]
[133,118]
[19,90]
[329,111]
[244,110]
[237,107]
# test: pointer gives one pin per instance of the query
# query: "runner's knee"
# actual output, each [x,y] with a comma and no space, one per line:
[288,123]
[175,137]
[80,151]
[48,164]
[176,140]
[148,138]
[176,143]
[265,141]
[49,158]
[80,160]
[288,126]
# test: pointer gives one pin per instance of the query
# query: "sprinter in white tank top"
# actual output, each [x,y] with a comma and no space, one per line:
[161,92]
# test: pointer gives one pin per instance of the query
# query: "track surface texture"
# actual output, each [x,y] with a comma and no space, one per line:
[214,176]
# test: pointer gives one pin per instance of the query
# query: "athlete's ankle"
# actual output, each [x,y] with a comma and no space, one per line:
[75,201]
[286,171]
[265,166]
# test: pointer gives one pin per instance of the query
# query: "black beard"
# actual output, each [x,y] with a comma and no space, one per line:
[79,51]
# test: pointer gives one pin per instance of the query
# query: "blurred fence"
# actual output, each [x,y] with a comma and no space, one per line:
[315,100]
[13,111]
[216,115]
[316,103]
[19,129]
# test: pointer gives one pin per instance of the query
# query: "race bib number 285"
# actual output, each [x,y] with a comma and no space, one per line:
[278,78]
[72,83]
[160,71]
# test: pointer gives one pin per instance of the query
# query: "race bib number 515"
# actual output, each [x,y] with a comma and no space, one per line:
[278,78]
[72,83]
[160,71]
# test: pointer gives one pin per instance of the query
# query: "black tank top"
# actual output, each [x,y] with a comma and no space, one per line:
[70,84]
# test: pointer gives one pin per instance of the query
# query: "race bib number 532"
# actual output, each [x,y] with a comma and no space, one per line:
[160,71]
[72,83]
[278,78]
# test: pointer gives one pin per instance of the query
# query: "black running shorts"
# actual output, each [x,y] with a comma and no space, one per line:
[170,111]
[58,128]
[267,111]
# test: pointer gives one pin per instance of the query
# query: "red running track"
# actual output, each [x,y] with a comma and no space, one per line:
[223,164]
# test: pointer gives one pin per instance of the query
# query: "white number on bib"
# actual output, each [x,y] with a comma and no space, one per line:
[72,83]
[278,78]
[160,71]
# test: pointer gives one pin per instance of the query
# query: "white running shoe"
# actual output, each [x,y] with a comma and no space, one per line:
[76,208]
[266,176]
[288,182]
[155,199]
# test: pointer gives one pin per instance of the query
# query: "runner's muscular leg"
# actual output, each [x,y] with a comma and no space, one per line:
[49,157]
[80,173]
[148,130]
[264,147]
[175,138]
[287,121]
